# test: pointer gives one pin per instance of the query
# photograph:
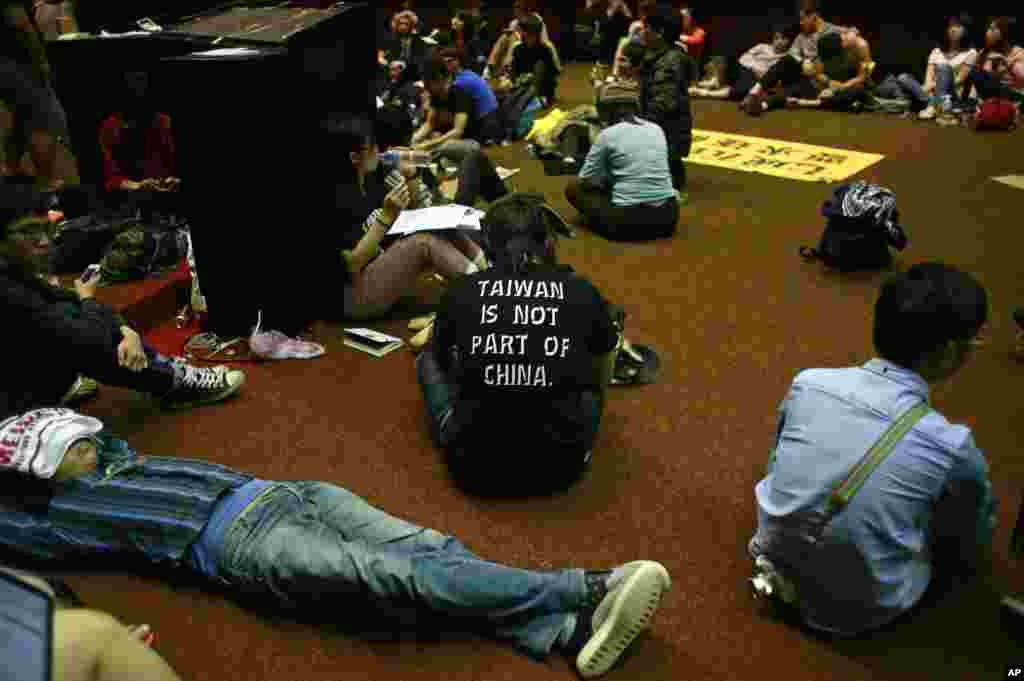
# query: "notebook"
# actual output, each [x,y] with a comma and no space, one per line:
[372,342]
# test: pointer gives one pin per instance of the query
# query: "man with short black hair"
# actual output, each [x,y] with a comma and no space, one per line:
[664,88]
[853,559]
[469,99]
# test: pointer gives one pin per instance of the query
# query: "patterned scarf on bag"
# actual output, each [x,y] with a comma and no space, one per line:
[879,203]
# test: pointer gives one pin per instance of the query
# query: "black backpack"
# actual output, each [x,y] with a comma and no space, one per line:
[857,237]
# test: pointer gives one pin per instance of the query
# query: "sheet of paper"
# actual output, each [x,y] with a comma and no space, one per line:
[227,52]
[1016,181]
[425,219]
[505,173]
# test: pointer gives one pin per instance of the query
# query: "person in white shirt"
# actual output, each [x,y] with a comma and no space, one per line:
[733,78]
[947,69]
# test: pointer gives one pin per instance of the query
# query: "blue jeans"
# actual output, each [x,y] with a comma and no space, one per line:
[905,85]
[314,544]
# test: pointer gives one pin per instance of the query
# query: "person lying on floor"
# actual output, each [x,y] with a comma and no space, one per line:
[945,73]
[926,510]
[528,340]
[88,644]
[842,73]
[469,98]
[624,189]
[72,490]
[733,79]
[61,334]
[367,200]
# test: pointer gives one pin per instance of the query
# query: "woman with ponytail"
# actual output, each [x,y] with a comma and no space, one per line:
[522,352]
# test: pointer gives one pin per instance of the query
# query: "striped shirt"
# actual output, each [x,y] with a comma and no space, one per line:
[152,507]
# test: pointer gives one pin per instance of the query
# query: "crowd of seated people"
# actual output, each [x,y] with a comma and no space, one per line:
[927,323]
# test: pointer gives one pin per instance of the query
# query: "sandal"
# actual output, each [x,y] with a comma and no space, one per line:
[635,365]
[420,323]
[208,347]
[82,389]
[423,337]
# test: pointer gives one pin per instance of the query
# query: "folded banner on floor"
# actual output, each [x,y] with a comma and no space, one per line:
[792,160]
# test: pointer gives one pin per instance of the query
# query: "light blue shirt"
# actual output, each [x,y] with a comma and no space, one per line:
[875,561]
[631,158]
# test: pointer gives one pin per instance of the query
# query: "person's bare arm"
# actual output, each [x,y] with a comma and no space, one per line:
[93,646]
[425,129]
[456,133]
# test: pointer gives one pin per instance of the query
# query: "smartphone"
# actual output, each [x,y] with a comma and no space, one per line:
[26,631]
[90,273]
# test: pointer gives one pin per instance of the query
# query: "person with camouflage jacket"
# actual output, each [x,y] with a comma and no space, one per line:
[664,88]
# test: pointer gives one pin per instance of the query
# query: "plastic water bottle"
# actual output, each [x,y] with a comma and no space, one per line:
[392,157]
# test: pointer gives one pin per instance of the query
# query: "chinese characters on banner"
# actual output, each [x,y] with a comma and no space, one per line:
[791,160]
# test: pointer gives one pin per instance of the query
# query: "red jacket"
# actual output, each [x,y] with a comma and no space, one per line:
[158,159]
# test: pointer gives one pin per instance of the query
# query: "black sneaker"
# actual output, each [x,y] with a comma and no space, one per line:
[1018,316]
[203,385]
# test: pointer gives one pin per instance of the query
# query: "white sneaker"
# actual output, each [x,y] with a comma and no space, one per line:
[621,615]
[927,114]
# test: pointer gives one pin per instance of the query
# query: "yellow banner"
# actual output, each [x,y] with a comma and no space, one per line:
[791,160]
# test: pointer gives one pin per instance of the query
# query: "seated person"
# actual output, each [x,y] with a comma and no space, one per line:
[63,334]
[55,17]
[611,20]
[794,76]
[466,38]
[1000,68]
[533,59]
[633,35]
[368,199]
[405,45]
[733,79]
[138,143]
[927,509]
[945,74]
[691,40]
[475,175]
[91,644]
[528,340]
[500,58]
[317,546]
[34,120]
[842,72]
[469,98]
[626,74]
[624,189]
[402,92]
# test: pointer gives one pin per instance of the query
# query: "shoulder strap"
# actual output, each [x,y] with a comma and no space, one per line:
[845,491]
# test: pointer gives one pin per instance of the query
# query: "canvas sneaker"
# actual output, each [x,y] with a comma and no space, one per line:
[277,345]
[202,385]
[627,601]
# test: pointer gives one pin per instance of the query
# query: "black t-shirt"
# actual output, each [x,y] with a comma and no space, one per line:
[524,58]
[521,348]
[461,101]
